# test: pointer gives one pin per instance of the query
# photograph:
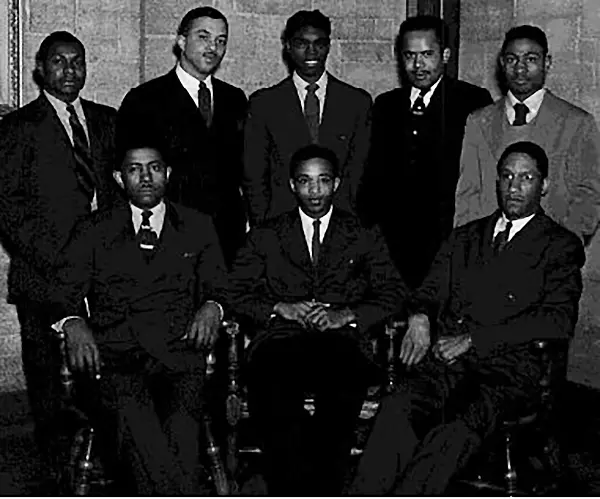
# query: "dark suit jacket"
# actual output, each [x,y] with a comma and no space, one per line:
[416,175]
[135,304]
[570,137]
[206,162]
[40,198]
[529,291]
[354,270]
[276,128]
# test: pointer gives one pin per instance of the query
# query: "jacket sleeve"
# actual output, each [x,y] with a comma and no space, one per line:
[582,176]
[247,278]
[386,292]
[554,316]
[20,223]
[256,181]
[469,188]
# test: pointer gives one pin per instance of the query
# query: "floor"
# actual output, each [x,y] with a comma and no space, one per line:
[578,410]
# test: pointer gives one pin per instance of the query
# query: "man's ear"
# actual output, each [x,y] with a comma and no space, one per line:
[446,55]
[180,41]
[169,170]
[336,183]
[292,185]
[548,62]
[118,179]
[545,185]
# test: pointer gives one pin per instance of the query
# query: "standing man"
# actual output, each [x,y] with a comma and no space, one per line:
[56,157]
[310,106]
[197,122]
[416,141]
[531,112]
[313,282]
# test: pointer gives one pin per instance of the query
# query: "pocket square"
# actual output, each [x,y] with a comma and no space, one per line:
[189,254]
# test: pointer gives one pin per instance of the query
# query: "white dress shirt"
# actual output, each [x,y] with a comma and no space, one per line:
[533,103]
[415,92]
[156,220]
[192,85]
[308,228]
[301,85]
[517,225]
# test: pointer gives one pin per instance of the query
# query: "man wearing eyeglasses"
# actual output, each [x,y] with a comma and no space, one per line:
[531,112]
[310,106]
[197,120]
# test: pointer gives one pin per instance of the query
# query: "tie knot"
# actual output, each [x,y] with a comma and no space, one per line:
[203,86]
[316,223]
[146,214]
[312,88]
[520,107]
[71,109]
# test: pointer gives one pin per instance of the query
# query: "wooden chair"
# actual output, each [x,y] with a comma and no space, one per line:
[529,439]
[237,406]
[80,470]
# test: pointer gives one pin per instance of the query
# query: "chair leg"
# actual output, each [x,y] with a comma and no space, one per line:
[510,477]
[85,466]
[214,453]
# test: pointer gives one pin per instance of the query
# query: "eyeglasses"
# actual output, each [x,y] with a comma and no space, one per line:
[303,44]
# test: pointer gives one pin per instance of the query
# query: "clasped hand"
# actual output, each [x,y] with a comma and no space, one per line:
[314,315]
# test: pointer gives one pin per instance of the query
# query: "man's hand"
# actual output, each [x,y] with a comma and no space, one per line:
[83,352]
[204,329]
[296,312]
[449,348]
[416,341]
[322,317]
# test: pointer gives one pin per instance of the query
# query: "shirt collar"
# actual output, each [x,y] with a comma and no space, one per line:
[191,83]
[517,225]
[415,92]
[308,221]
[156,220]
[301,84]
[61,106]
[533,102]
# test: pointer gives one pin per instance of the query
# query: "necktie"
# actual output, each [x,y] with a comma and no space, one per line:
[316,241]
[312,111]
[204,103]
[501,239]
[81,151]
[521,111]
[418,107]
[147,238]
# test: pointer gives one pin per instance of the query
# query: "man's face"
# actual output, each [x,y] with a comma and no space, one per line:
[203,47]
[520,186]
[524,66]
[308,49]
[144,177]
[63,71]
[423,59]
[314,185]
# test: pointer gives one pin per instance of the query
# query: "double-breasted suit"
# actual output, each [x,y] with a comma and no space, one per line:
[410,181]
[570,138]
[206,161]
[442,412]
[40,202]
[139,310]
[276,129]
[353,270]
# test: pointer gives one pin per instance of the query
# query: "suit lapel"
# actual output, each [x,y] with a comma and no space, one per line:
[184,106]
[493,127]
[333,110]
[293,242]
[294,118]
[334,243]
[125,246]
[171,241]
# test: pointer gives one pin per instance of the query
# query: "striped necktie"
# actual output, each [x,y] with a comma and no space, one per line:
[81,151]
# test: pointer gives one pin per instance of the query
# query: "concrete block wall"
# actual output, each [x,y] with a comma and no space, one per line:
[573,30]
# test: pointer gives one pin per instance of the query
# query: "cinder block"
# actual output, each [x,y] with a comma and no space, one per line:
[367,51]
[375,78]
[589,50]
[159,55]
[590,23]
[163,16]
[46,16]
[357,28]
[485,19]
[109,81]
[280,7]
[532,9]
[590,101]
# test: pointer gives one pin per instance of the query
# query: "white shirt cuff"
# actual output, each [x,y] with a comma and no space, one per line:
[58,326]
[221,311]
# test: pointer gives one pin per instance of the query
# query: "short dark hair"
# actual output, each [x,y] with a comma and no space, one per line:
[532,150]
[304,18]
[186,21]
[313,151]
[526,31]
[56,37]
[424,23]
[123,150]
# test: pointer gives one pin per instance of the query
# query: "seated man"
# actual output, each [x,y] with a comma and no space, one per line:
[496,284]
[150,270]
[305,278]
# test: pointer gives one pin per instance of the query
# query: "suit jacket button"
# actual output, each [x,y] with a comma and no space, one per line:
[511,297]
[415,132]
